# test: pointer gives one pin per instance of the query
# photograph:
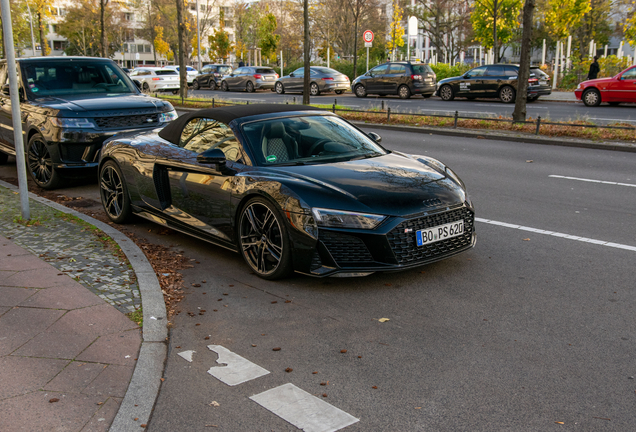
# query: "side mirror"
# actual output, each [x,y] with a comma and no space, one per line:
[213,156]
[369,74]
[375,137]
[137,83]
[291,75]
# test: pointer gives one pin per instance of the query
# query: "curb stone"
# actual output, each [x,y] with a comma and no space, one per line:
[144,385]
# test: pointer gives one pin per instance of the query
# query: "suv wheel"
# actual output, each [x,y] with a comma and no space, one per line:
[249,87]
[114,193]
[507,94]
[446,93]
[195,85]
[224,86]
[145,88]
[314,90]
[361,91]
[591,98]
[40,164]
[404,92]
[279,88]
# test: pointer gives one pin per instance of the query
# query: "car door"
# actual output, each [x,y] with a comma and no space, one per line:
[233,78]
[393,78]
[494,79]
[623,89]
[296,80]
[200,194]
[374,79]
[471,84]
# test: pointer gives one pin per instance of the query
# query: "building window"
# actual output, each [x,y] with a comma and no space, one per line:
[147,48]
[128,16]
[54,28]
[193,7]
[59,45]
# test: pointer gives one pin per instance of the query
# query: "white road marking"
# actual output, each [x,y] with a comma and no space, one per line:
[593,181]
[303,410]
[186,355]
[612,120]
[237,370]
[557,234]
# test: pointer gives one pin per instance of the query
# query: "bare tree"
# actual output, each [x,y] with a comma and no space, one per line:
[181,30]
[519,113]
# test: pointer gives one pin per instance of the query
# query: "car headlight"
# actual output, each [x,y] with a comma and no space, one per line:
[78,123]
[168,116]
[344,219]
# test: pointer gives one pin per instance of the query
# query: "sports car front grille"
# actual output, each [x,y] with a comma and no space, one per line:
[123,122]
[345,249]
[404,244]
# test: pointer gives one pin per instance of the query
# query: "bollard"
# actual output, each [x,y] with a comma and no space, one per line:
[212,102]
[333,108]
[248,102]
[538,125]
[388,114]
[294,100]
[335,101]
[382,105]
[456,117]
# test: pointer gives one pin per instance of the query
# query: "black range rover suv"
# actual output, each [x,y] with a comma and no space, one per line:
[396,78]
[70,106]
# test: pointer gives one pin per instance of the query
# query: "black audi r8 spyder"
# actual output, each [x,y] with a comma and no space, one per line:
[291,188]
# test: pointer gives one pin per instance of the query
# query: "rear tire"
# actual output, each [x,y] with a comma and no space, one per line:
[446,93]
[507,94]
[591,98]
[114,193]
[40,164]
[339,92]
[404,92]
[361,92]
[314,90]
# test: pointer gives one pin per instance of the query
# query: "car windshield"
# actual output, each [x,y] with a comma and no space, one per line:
[53,78]
[308,140]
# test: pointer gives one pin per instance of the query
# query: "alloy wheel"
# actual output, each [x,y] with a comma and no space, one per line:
[112,191]
[507,95]
[261,238]
[361,91]
[279,88]
[195,85]
[249,87]
[224,86]
[446,93]
[591,98]
[40,163]
[404,92]
[314,90]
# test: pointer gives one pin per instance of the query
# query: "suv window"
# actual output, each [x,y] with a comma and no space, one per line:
[379,70]
[495,71]
[265,71]
[511,71]
[397,69]
[477,72]
[63,77]
[166,72]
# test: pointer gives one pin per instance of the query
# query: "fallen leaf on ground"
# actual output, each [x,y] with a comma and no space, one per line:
[343,351]
[374,387]
[324,395]
[559,422]
[384,319]
[214,404]
[54,400]
[529,161]
[276,349]
[288,370]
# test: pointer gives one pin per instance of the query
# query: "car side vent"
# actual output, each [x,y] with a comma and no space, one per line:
[162,186]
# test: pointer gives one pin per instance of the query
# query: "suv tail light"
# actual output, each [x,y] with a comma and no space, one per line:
[327,79]
[416,77]
[533,81]
[156,79]
[258,76]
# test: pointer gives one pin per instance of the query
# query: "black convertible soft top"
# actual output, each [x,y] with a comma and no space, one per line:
[172,132]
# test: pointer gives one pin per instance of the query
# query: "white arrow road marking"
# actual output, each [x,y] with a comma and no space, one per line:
[303,410]
[557,234]
[186,355]
[238,369]
[592,180]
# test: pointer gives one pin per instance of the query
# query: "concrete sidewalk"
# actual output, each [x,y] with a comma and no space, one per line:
[67,349]
[559,96]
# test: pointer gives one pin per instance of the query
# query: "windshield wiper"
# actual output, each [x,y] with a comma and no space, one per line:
[289,164]
[365,156]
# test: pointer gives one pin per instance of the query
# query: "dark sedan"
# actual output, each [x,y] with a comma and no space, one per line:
[291,188]
[70,105]
[323,80]
[494,81]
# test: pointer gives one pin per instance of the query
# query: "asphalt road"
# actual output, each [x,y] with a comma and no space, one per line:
[555,111]
[525,330]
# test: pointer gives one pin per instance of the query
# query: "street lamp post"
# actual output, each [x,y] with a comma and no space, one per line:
[198,38]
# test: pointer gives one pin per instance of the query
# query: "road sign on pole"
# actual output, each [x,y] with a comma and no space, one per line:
[367,36]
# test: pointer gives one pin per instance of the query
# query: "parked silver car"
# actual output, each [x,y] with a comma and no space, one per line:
[323,79]
[250,78]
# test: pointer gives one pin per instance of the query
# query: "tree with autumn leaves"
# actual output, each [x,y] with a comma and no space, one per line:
[396,30]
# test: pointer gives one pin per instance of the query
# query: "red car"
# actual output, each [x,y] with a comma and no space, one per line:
[614,90]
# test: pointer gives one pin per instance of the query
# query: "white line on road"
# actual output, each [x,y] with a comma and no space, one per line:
[613,120]
[593,181]
[557,234]
[303,410]
[237,370]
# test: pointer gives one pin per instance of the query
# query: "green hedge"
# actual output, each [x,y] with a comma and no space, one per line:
[443,70]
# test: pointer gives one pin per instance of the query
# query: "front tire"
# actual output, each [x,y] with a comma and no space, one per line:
[507,94]
[263,240]
[224,86]
[404,92]
[591,98]
[280,89]
[361,92]
[314,90]
[195,85]
[40,164]
[249,87]
[447,93]
[114,193]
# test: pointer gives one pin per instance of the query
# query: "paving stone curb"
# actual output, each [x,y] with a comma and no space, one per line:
[144,386]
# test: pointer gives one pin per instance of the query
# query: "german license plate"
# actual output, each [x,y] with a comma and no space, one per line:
[440,232]
[543,82]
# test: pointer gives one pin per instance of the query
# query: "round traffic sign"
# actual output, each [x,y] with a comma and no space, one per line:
[367,36]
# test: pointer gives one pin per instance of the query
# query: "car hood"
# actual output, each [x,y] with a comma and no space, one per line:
[598,81]
[393,184]
[449,79]
[99,106]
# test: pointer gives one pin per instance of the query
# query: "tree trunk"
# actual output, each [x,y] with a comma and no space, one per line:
[183,80]
[306,96]
[494,32]
[355,45]
[42,40]
[519,113]
[101,23]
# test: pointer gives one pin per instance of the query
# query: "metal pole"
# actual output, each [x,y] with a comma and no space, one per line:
[281,63]
[367,59]
[31,25]
[556,67]
[328,55]
[9,49]
[198,38]
[543,54]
